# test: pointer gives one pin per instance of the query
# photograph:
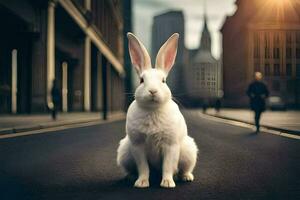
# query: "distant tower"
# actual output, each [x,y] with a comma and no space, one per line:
[164,25]
[205,43]
[202,76]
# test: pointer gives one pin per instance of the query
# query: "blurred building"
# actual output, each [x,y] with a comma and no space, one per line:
[77,42]
[164,26]
[202,75]
[262,36]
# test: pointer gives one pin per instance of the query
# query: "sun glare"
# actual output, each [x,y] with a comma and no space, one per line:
[283,9]
[280,2]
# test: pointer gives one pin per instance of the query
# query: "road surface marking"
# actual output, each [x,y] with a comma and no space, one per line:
[59,128]
[246,125]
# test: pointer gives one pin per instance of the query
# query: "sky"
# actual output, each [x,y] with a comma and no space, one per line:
[217,10]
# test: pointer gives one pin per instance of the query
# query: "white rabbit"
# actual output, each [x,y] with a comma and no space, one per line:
[156,130]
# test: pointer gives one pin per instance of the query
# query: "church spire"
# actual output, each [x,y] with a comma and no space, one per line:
[204,10]
[205,43]
[204,14]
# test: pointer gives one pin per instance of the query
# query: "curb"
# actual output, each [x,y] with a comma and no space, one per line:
[57,124]
[283,130]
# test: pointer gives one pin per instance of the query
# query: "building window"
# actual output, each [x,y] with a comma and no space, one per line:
[298,53]
[256,45]
[256,68]
[288,69]
[290,86]
[298,37]
[288,37]
[276,53]
[256,52]
[267,46]
[276,85]
[276,39]
[202,74]
[276,70]
[267,52]
[288,52]
[267,70]
[298,70]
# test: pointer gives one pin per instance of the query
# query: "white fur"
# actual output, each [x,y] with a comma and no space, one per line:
[156,129]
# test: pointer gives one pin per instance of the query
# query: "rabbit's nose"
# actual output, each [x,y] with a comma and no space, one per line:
[152,91]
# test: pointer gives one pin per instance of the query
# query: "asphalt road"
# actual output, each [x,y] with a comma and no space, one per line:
[79,163]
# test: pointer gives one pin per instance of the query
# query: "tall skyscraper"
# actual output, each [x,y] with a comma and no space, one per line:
[164,26]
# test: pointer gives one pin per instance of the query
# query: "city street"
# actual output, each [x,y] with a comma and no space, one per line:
[80,163]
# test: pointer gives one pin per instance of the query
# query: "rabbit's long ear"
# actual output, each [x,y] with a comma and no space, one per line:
[167,53]
[139,56]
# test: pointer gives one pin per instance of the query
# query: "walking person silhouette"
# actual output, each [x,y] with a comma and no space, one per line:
[257,92]
[55,99]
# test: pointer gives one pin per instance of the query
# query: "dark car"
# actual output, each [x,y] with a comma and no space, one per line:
[276,103]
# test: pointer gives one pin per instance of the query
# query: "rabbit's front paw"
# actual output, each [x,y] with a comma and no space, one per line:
[141,183]
[188,177]
[167,183]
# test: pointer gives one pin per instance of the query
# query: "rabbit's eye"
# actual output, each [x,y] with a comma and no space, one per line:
[164,80]
[141,80]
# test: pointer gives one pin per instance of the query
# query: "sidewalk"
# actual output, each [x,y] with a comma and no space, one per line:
[22,122]
[285,121]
